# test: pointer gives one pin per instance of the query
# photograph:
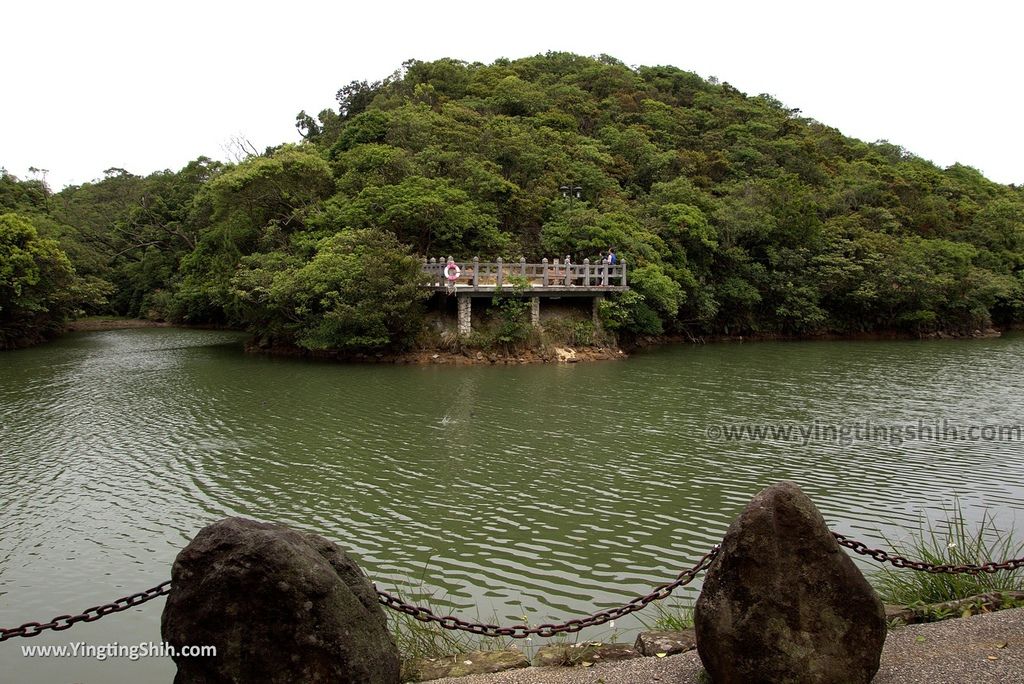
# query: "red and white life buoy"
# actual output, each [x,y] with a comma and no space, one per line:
[452,271]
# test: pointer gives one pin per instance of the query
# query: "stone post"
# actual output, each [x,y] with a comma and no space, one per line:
[498,278]
[465,314]
[535,311]
[476,271]
[586,272]
[544,280]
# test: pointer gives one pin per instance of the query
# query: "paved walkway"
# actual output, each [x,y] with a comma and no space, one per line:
[979,649]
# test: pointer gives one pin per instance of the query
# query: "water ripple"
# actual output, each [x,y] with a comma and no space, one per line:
[550,491]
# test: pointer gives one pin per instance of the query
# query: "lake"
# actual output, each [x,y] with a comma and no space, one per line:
[548,490]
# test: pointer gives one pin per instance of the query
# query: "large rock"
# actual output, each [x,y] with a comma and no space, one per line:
[583,653]
[665,642]
[783,603]
[281,606]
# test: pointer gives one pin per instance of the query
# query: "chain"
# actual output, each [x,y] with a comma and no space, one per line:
[62,622]
[662,591]
[659,592]
[883,556]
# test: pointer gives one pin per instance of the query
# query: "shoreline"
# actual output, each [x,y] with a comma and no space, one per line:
[555,354]
[869,336]
[466,357]
[102,323]
[981,648]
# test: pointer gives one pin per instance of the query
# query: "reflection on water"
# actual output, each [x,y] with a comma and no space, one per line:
[554,490]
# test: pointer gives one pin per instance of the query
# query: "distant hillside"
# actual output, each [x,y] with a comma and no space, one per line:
[734,213]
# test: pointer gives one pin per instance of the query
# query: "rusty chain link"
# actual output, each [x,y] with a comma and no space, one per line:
[62,622]
[895,560]
[450,622]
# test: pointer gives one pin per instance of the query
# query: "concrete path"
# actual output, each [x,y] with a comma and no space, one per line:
[980,649]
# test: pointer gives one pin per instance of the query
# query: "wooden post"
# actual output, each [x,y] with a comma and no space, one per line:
[544,264]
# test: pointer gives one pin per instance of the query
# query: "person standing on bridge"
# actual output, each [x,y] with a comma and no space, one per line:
[612,259]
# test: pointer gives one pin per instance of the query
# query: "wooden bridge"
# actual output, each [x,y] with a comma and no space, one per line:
[547,279]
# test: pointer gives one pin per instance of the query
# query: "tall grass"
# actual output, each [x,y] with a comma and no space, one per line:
[957,542]
[418,639]
[672,617]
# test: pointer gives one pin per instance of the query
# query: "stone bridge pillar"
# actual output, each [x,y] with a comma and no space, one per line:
[465,314]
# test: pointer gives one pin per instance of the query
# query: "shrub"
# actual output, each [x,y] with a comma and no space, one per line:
[629,313]
[359,291]
[513,313]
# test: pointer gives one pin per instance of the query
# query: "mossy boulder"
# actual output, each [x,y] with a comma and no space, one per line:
[783,603]
[281,606]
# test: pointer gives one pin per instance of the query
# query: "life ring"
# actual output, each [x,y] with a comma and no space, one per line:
[451,274]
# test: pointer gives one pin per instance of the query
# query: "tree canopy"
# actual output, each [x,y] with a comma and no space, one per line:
[735,213]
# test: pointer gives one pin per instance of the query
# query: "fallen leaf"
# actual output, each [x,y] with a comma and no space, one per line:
[660,655]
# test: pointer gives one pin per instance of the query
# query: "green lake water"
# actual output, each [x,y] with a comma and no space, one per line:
[549,490]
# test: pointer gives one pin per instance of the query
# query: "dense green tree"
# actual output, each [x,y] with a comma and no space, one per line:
[735,214]
[360,290]
[22,195]
[429,214]
[39,289]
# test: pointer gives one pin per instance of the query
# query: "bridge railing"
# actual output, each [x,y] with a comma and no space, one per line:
[493,274]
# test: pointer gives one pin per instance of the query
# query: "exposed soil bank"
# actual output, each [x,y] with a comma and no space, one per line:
[100,323]
[467,357]
[97,323]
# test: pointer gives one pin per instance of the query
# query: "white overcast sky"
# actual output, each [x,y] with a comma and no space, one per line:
[145,86]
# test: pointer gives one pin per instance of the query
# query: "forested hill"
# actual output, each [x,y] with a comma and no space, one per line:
[735,214]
